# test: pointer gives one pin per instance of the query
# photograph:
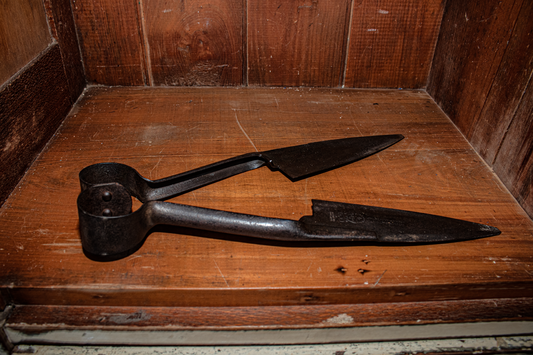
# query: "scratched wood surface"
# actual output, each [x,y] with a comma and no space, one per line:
[164,131]
[392,43]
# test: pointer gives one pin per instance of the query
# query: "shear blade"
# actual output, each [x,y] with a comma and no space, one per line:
[386,225]
[302,161]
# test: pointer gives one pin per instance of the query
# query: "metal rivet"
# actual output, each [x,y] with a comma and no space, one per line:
[106,196]
[106,212]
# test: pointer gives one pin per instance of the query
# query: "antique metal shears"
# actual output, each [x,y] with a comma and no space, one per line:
[110,230]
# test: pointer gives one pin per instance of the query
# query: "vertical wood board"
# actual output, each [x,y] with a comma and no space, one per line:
[512,78]
[514,162]
[392,43]
[195,42]
[63,29]
[110,40]
[297,42]
[471,45]
[24,34]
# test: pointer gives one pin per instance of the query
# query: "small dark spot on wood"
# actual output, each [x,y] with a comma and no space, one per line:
[362,271]
[375,103]
[341,269]
[365,261]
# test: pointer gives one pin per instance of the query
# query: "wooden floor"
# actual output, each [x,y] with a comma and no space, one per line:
[163,131]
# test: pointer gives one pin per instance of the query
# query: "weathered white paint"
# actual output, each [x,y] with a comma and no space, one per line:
[269,336]
[465,345]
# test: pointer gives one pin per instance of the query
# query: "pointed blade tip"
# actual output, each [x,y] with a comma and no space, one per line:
[395,138]
[491,231]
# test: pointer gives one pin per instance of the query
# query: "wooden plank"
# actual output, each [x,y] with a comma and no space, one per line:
[111,41]
[165,131]
[471,45]
[297,42]
[63,29]
[514,74]
[514,162]
[31,319]
[392,43]
[30,113]
[196,43]
[24,34]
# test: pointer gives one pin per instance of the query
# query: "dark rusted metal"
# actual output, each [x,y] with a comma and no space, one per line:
[110,230]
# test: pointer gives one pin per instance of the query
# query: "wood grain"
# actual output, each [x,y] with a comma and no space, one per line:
[297,42]
[164,131]
[24,34]
[514,162]
[111,41]
[471,45]
[63,29]
[31,319]
[483,64]
[196,42]
[392,43]
[507,90]
[30,113]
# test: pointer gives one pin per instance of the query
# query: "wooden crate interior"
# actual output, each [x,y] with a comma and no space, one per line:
[167,86]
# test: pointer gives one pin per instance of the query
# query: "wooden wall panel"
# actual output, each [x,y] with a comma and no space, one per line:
[483,64]
[297,42]
[252,42]
[25,127]
[514,73]
[111,41]
[392,43]
[63,30]
[24,34]
[195,42]
[514,162]
[470,48]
